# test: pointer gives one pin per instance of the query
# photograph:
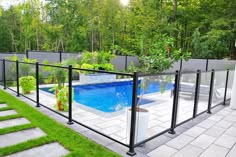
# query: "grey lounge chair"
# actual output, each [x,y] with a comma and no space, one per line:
[189,89]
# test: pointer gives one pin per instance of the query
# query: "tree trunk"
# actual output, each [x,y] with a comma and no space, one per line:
[174,10]
[37,39]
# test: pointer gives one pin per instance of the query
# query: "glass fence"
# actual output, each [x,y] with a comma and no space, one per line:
[119,105]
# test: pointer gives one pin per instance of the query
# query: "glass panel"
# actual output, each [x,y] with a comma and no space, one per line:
[10,74]
[53,86]
[204,91]
[219,87]
[186,97]
[27,80]
[102,102]
[155,102]
[230,84]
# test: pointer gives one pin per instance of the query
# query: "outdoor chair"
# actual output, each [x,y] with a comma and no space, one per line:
[189,89]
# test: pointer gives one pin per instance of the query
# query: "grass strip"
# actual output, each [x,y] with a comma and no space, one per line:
[16,128]
[77,144]
[25,145]
[14,116]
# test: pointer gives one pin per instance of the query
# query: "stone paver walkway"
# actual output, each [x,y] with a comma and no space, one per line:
[49,150]
[213,137]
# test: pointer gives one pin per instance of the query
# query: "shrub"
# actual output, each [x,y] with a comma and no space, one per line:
[87,66]
[27,83]
[107,67]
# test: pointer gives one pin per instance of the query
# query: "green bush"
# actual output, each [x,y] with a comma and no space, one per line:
[107,67]
[86,66]
[27,83]
[97,57]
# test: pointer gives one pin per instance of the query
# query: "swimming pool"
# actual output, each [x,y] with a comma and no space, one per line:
[110,97]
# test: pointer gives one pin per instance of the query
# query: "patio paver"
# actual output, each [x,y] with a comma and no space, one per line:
[13,122]
[162,151]
[52,150]
[7,113]
[20,136]
[3,105]
[232,152]
[215,151]
[189,151]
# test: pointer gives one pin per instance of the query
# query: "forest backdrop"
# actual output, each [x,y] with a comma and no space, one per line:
[206,28]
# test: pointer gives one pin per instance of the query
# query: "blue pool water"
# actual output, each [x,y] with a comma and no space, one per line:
[110,97]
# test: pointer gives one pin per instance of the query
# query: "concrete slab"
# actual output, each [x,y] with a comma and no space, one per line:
[13,122]
[49,150]
[20,136]
[7,113]
[3,105]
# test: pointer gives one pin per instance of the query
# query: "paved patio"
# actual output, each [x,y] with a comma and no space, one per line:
[213,137]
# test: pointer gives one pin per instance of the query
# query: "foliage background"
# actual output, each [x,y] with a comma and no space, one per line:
[207,28]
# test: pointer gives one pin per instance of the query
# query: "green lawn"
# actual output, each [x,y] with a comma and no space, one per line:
[78,145]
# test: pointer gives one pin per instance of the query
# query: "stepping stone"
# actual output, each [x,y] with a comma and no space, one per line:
[13,122]
[49,150]
[7,113]
[3,105]
[20,136]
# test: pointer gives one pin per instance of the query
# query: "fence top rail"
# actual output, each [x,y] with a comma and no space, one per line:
[73,53]
[103,71]
[157,74]
[44,51]
[53,66]
[182,72]
[12,53]
[55,52]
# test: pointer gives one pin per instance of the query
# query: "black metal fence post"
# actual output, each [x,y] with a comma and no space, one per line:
[70,95]
[197,90]
[131,151]
[4,73]
[60,56]
[37,84]
[207,62]
[211,91]
[175,103]
[27,54]
[17,79]
[181,65]
[126,62]
[226,86]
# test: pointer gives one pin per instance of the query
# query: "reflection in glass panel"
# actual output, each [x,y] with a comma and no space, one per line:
[219,87]
[230,84]
[204,91]
[186,97]
[155,103]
